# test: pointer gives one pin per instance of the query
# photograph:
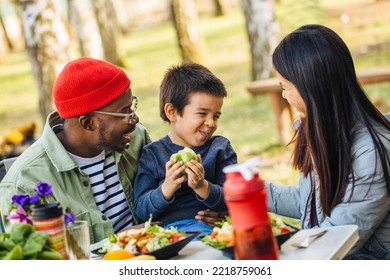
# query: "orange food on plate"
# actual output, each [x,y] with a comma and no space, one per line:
[119,254]
[142,240]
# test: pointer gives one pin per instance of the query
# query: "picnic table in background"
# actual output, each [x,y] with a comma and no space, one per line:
[285,113]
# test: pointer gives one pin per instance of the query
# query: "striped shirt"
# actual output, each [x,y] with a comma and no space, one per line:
[106,188]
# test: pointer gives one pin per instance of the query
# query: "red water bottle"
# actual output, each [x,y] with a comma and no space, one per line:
[246,199]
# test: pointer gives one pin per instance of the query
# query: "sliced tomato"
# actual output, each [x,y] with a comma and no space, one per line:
[124,240]
[213,234]
[284,230]
[176,236]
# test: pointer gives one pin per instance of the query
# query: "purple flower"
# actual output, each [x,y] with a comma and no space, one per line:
[70,217]
[44,189]
[21,203]
[21,199]
[34,199]
[21,213]
[20,216]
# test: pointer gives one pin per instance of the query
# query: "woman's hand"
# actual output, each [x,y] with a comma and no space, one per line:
[210,217]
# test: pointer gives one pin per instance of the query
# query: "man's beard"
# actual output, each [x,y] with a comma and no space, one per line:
[108,146]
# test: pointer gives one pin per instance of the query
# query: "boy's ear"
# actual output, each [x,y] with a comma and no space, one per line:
[170,112]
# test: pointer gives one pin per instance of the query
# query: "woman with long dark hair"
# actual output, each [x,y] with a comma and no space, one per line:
[342,143]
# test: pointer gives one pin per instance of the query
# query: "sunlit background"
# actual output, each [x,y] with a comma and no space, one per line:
[148,46]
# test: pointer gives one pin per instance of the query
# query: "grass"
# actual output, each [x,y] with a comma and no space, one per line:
[247,121]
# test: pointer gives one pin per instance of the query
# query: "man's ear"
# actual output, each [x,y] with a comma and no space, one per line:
[170,112]
[86,122]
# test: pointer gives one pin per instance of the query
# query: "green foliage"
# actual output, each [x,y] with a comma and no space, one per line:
[24,242]
[292,14]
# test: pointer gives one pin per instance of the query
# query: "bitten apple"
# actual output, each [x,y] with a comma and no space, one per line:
[185,155]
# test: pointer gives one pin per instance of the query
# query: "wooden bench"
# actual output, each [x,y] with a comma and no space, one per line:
[285,113]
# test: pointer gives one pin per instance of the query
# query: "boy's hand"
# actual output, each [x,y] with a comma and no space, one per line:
[196,180]
[173,178]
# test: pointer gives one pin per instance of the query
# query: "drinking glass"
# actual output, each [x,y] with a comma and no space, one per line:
[78,240]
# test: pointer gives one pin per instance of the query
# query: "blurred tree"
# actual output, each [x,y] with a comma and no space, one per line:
[4,48]
[5,36]
[47,44]
[185,20]
[82,16]
[19,42]
[222,7]
[263,34]
[122,15]
[110,32]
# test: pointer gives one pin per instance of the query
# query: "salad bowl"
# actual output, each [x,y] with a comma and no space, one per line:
[151,239]
[222,238]
[229,251]
[174,248]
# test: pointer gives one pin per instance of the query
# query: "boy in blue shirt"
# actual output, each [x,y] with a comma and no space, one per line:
[191,99]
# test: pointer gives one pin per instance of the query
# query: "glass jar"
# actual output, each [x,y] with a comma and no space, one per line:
[49,218]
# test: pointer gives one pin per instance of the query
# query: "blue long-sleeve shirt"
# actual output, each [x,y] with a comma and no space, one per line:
[216,153]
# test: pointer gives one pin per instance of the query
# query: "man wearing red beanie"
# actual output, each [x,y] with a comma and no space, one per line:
[88,150]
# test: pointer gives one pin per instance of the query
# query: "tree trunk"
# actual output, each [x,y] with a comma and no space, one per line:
[87,29]
[3,46]
[263,33]
[185,20]
[222,7]
[47,43]
[19,43]
[109,31]
[5,34]
[122,15]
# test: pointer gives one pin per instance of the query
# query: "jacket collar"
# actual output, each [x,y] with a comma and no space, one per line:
[52,145]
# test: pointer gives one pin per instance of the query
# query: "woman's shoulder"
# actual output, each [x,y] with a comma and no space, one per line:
[363,140]
[362,145]
[365,154]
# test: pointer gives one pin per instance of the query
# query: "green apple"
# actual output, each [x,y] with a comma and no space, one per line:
[185,155]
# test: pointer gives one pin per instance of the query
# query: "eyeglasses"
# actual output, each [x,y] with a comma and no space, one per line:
[130,116]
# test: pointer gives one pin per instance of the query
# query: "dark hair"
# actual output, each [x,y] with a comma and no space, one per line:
[317,61]
[182,80]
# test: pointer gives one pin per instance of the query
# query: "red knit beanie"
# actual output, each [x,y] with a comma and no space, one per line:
[87,84]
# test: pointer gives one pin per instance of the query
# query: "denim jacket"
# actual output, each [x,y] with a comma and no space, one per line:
[368,208]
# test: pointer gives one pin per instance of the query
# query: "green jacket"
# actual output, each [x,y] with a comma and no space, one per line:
[48,161]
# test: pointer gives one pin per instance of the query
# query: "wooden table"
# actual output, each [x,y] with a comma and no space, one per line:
[285,114]
[333,245]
